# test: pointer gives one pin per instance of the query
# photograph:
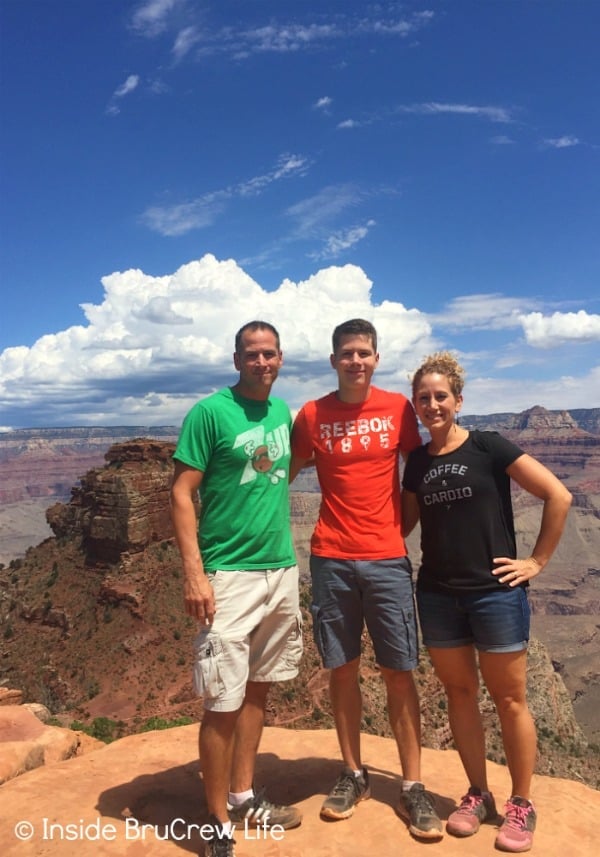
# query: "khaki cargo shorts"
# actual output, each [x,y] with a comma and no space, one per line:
[256,635]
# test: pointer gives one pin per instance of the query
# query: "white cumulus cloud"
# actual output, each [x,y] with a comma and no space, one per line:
[154,345]
[548,331]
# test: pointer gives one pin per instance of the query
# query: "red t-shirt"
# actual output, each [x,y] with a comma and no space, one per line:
[356,448]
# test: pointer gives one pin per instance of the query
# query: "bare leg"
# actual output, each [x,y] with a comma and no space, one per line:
[405,719]
[228,745]
[216,752]
[457,670]
[248,732]
[505,677]
[346,702]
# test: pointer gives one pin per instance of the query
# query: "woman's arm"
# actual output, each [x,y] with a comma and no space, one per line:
[531,475]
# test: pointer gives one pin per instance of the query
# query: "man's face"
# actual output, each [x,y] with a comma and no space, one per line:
[258,363]
[354,361]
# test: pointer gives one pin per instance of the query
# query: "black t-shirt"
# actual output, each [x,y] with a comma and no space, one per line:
[466,511]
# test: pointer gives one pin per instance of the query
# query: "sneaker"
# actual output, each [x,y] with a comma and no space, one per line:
[258,810]
[516,831]
[417,806]
[346,793]
[219,844]
[474,809]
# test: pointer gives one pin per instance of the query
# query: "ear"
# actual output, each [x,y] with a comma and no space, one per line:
[236,361]
[377,358]
[459,402]
[332,360]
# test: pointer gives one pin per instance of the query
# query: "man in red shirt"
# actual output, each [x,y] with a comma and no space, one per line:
[359,567]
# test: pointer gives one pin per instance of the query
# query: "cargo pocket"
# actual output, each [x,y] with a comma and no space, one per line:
[294,645]
[410,630]
[318,630]
[208,655]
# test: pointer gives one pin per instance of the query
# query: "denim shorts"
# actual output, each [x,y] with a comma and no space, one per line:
[347,594]
[495,620]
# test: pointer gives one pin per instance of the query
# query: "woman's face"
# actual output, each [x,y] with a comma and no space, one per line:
[435,403]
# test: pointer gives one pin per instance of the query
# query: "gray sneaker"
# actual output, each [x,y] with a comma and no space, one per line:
[258,810]
[346,793]
[219,844]
[474,809]
[417,806]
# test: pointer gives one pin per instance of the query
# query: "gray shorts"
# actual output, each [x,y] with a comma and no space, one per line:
[256,635]
[346,594]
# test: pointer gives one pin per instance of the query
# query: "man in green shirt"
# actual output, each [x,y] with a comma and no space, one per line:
[240,576]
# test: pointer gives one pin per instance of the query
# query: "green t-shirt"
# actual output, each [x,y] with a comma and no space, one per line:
[242,447]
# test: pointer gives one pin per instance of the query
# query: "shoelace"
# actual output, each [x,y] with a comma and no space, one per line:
[348,783]
[515,815]
[468,803]
[421,801]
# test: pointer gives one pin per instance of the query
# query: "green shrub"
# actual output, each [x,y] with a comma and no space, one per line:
[155,723]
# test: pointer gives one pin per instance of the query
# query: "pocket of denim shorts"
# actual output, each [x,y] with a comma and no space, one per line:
[208,654]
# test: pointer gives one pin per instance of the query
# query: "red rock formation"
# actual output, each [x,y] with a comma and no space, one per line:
[143,795]
[27,743]
[122,507]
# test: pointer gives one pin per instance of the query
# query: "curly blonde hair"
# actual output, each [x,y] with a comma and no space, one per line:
[442,363]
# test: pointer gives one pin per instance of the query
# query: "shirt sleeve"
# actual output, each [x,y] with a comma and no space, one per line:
[409,477]
[302,445]
[503,451]
[409,435]
[194,446]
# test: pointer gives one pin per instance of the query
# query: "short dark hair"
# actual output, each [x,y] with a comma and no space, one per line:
[253,326]
[354,326]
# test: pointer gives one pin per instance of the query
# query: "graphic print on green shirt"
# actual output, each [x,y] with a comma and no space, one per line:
[242,447]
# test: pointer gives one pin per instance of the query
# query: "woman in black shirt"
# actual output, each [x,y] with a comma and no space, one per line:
[472,588]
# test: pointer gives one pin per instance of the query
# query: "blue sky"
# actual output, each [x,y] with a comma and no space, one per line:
[174,168]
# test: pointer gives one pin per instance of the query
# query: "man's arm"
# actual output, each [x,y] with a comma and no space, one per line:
[409,432]
[197,592]
[298,463]
[410,511]
[301,444]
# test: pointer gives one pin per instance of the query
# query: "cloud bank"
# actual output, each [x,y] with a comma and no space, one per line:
[157,344]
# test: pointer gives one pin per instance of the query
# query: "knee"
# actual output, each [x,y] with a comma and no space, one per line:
[346,674]
[397,680]
[461,690]
[257,692]
[221,723]
[509,704]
